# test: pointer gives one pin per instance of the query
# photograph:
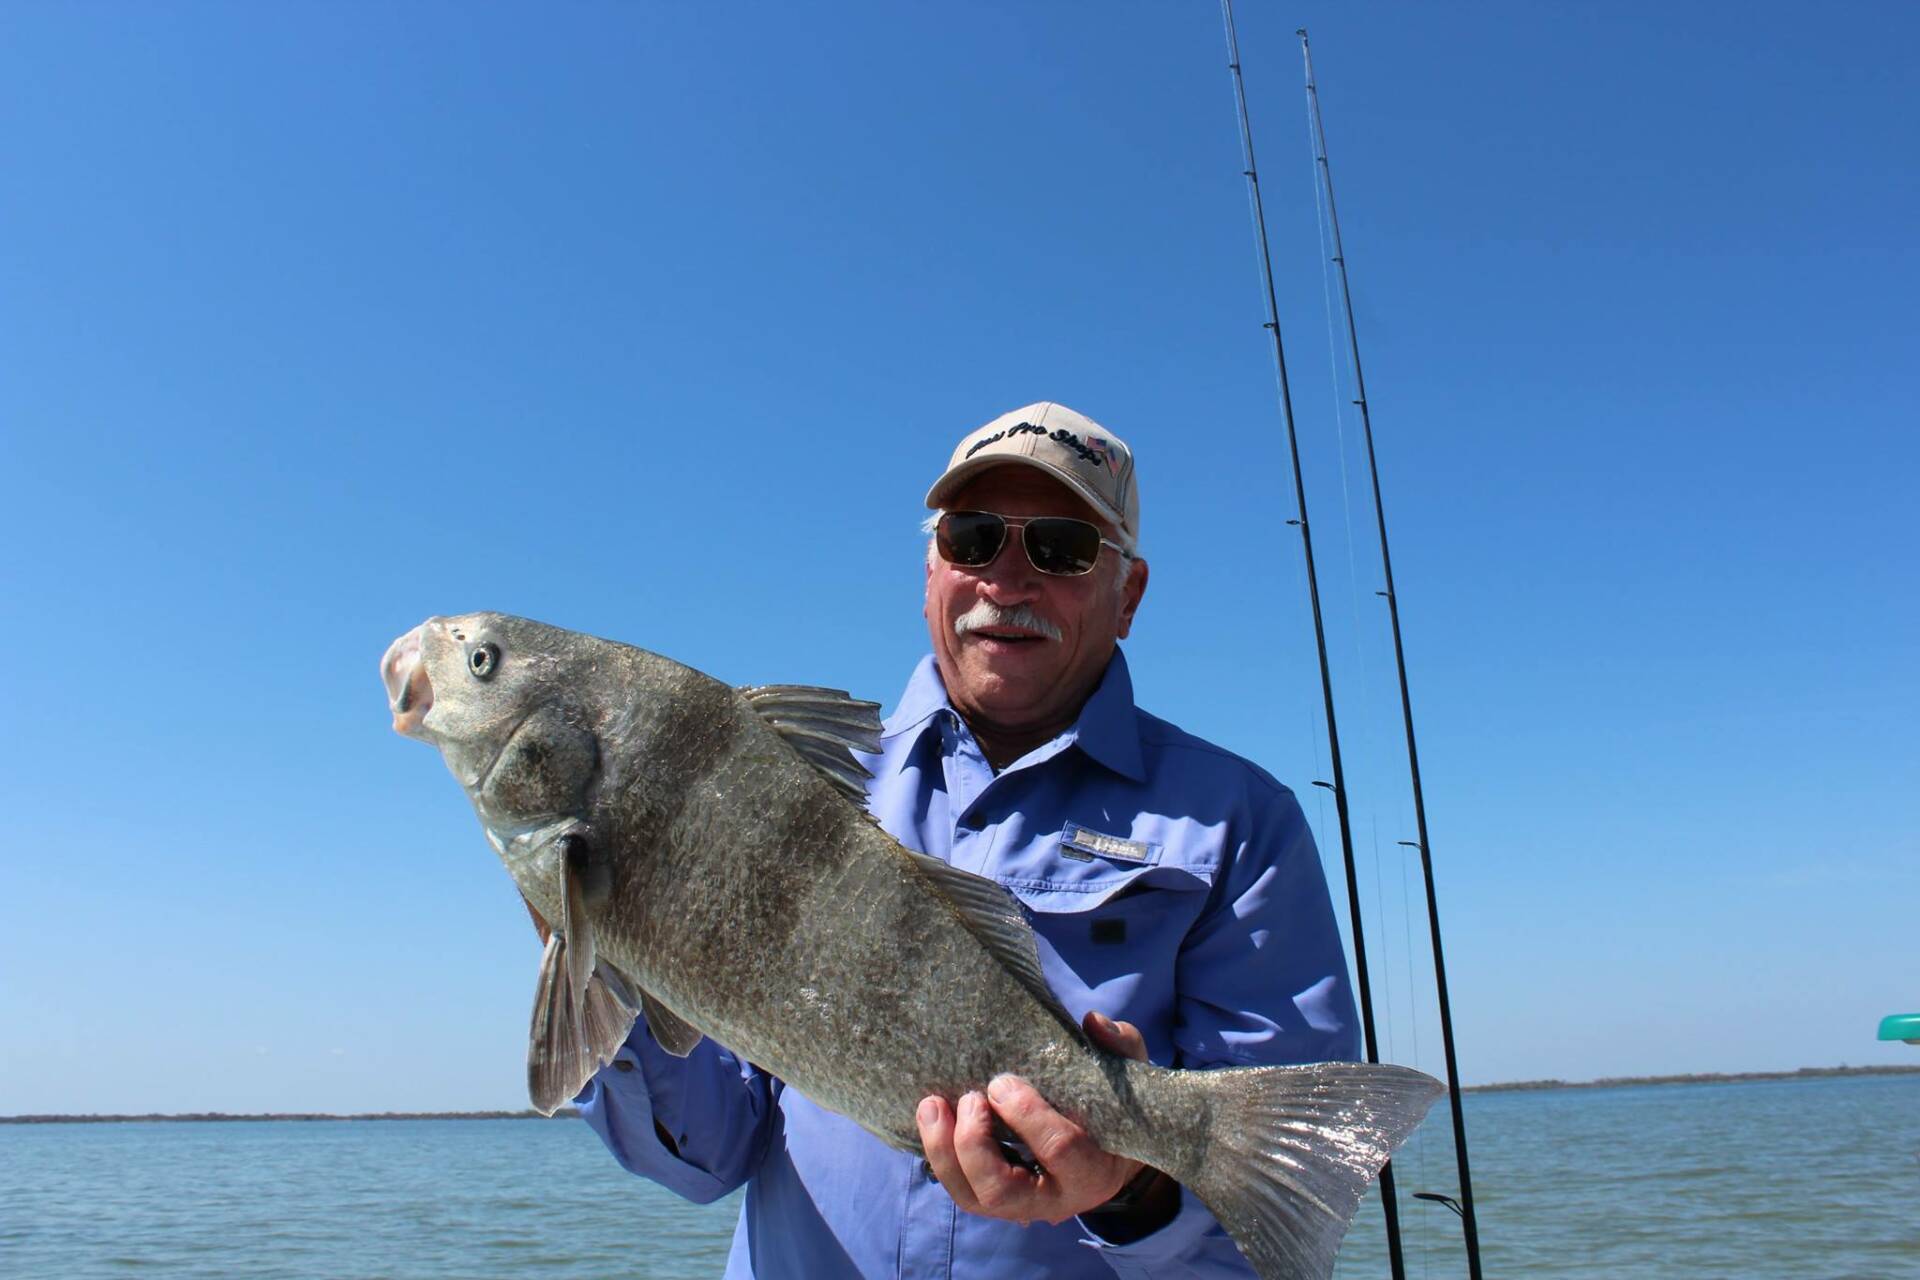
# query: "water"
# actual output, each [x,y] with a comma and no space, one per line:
[1804,1178]
[1815,1179]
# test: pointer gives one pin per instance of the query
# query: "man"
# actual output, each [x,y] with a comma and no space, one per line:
[1174,887]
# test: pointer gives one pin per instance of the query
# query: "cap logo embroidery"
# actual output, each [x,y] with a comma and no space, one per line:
[1072,442]
[1024,428]
[1098,454]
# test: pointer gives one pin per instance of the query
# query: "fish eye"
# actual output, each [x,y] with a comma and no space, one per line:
[483,659]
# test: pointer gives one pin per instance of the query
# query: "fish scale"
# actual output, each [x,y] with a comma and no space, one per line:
[698,857]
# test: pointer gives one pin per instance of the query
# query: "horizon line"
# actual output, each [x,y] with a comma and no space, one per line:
[571,1113]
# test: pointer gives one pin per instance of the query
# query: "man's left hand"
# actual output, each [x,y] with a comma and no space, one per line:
[1075,1174]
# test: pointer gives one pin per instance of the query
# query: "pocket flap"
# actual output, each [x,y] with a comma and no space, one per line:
[1088,868]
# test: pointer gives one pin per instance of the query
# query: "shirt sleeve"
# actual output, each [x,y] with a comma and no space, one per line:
[1262,975]
[1192,1246]
[1262,980]
[698,1125]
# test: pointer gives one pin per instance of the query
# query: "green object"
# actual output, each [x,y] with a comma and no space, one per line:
[1901,1026]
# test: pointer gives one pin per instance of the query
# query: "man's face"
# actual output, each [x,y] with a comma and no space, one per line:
[1013,679]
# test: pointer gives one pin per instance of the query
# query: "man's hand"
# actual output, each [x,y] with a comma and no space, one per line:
[1075,1174]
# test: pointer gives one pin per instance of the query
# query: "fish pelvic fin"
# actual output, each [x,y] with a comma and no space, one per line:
[573,1034]
[825,726]
[668,1027]
[1290,1150]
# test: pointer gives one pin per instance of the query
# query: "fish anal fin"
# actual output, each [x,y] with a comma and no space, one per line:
[668,1027]
[826,726]
[995,917]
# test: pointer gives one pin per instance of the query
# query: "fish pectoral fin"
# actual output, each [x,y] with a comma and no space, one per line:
[556,1062]
[672,1031]
[575,924]
[574,1033]
[995,917]
[825,726]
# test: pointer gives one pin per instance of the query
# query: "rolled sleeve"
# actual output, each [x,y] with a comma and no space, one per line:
[698,1125]
[1191,1246]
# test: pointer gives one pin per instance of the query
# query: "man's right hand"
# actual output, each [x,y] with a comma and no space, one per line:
[1076,1175]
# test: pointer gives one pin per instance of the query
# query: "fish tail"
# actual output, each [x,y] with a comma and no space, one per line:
[1290,1150]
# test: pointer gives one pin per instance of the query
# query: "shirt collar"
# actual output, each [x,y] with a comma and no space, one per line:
[1108,729]
[923,697]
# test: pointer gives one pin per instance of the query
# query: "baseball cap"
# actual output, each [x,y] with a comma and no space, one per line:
[1069,446]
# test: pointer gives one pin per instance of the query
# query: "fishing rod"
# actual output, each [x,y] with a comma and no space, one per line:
[1465,1205]
[1389,1202]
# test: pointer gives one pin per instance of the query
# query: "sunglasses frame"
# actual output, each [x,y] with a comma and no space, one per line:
[1021,522]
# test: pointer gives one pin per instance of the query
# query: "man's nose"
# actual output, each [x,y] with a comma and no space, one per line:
[1010,572]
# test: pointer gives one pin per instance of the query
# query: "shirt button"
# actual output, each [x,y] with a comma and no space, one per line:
[622,1064]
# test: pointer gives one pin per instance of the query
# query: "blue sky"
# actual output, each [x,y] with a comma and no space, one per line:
[655,321]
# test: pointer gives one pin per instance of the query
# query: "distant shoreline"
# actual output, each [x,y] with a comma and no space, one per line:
[568,1113]
[212,1117]
[1705,1077]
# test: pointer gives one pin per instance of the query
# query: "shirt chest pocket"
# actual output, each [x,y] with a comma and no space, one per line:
[1115,912]
[1084,871]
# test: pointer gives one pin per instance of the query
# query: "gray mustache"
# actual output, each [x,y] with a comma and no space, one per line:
[987,614]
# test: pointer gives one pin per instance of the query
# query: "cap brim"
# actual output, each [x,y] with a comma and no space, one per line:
[956,478]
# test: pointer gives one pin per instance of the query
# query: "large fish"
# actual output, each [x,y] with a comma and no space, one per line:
[703,855]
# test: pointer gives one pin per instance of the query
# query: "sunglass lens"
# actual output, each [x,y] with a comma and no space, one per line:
[1062,546]
[969,538]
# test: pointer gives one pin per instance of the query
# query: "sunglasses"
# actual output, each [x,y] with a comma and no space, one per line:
[1057,545]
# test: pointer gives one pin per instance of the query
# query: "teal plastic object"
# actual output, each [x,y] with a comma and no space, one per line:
[1901,1026]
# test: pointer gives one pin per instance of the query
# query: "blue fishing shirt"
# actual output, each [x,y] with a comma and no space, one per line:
[1171,884]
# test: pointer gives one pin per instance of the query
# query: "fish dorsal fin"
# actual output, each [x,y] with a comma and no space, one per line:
[994,916]
[825,726]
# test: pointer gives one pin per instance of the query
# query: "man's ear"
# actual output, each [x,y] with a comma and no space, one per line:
[1134,588]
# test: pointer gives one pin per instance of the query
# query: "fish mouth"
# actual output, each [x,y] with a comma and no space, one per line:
[403,669]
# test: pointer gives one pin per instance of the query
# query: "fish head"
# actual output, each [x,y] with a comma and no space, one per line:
[498,695]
